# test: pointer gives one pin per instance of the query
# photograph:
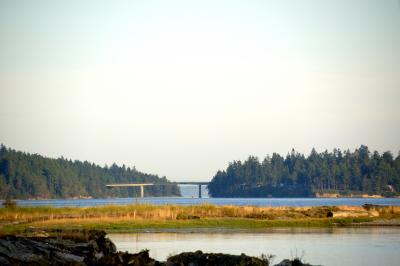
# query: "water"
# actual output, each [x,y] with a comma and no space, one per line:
[190,194]
[332,246]
[216,201]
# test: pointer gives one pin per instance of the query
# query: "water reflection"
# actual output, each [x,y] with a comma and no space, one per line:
[325,246]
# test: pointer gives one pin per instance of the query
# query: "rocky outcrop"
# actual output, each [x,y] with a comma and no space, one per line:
[123,258]
[92,248]
[295,262]
[66,248]
[199,258]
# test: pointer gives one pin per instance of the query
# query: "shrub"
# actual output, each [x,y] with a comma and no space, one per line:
[8,203]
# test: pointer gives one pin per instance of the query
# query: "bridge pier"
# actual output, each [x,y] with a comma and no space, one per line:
[199,191]
[142,191]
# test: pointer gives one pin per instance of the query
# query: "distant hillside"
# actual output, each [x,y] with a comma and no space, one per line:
[24,175]
[358,172]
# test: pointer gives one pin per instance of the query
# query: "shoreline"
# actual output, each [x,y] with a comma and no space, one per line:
[316,196]
[145,217]
[93,247]
[266,230]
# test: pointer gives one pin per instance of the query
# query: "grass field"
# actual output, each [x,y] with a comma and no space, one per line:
[140,217]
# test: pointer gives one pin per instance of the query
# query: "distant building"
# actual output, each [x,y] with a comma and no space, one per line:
[391,188]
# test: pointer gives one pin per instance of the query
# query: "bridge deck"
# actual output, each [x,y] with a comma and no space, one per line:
[192,183]
[155,184]
[130,185]
[142,185]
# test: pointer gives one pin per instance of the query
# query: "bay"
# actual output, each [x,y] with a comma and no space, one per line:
[318,246]
[295,202]
[190,197]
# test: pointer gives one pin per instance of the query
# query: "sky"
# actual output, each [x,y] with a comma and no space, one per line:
[182,88]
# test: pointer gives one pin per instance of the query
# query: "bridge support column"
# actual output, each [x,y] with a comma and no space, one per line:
[199,191]
[141,191]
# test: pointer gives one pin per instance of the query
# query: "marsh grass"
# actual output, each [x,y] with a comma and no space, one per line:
[145,216]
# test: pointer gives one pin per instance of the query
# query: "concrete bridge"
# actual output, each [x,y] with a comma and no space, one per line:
[142,185]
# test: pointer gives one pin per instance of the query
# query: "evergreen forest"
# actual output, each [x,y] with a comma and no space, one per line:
[344,173]
[32,176]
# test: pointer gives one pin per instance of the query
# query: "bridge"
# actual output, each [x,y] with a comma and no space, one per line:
[142,185]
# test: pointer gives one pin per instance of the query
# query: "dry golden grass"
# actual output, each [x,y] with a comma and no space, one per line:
[147,216]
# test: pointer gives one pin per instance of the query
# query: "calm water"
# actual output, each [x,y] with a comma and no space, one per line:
[338,246]
[216,201]
[190,194]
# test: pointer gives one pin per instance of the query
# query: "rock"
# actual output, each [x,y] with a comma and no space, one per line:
[67,248]
[295,262]
[140,259]
[284,263]
[75,248]
[199,258]
[61,258]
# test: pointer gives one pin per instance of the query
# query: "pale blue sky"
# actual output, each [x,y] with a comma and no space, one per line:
[180,88]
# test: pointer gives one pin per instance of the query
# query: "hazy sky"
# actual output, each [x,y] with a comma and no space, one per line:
[181,88]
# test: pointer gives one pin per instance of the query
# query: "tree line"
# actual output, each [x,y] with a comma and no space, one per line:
[358,172]
[24,175]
